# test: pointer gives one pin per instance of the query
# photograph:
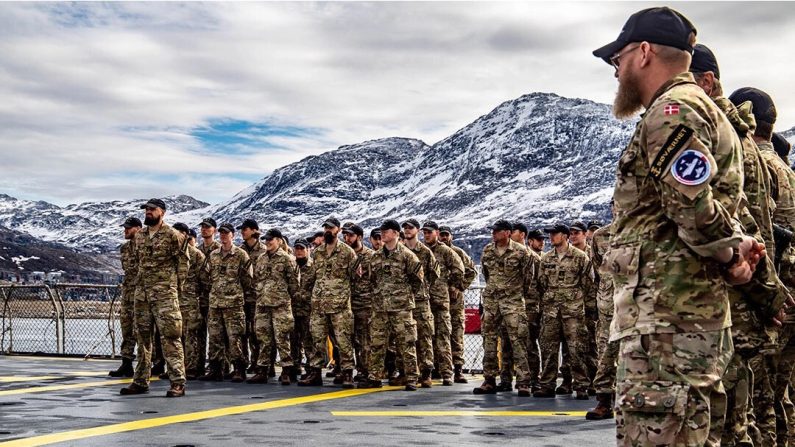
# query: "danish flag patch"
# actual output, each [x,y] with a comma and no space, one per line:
[671,109]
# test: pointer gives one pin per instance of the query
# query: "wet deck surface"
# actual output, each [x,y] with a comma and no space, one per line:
[71,402]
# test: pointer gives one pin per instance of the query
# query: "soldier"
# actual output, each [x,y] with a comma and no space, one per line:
[277,285]
[162,267]
[457,306]
[505,267]
[189,302]
[396,277]
[535,240]
[563,281]
[423,314]
[126,306]
[334,267]
[249,230]
[578,239]
[230,273]
[361,299]
[301,341]
[781,146]
[316,240]
[674,246]
[208,245]
[375,239]
[592,227]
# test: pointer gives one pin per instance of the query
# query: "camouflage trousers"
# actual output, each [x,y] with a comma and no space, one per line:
[423,316]
[191,323]
[591,348]
[162,313]
[533,359]
[457,324]
[761,366]
[605,379]
[275,325]
[555,329]
[226,326]
[669,390]
[738,383]
[127,322]
[341,324]
[442,354]
[204,313]
[514,320]
[784,367]
[362,339]
[401,327]
[301,340]
[251,340]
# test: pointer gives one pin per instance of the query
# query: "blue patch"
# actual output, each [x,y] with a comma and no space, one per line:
[691,168]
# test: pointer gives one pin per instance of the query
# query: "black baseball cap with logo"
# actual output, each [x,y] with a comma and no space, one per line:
[375,233]
[502,225]
[557,228]
[412,222]
[131,222]
[154,203]
[249,223]
[301,243]
[579,226]
[226,227]
[520,227]
[208,222]
[763,107]
[353,229]
[430,225]
[332,222]
[445,229]
[181,227]
[390,224]
[536,234]
[273,233]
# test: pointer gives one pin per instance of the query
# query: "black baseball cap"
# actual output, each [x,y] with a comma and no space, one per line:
[518,226]
[557,228]
[446,229]
[331,222]
[226,227]
[413,222]
[430,225]
[353,229]
[154,203]
[704,60]
[594,224]
[781,145]
[375,233]
[578,225]
[249,223]
[301,243]
[317,235]
[536,234]
[181,227]
[208,222]
[502,225]
[273,233]
[132,222]
[390,224]
[661,25]
[763,107]
[192,233]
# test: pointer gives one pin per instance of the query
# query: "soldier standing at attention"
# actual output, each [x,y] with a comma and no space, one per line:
[301,341]
[231,276]
[375,239]
[189,302]
[129,264]
[334,267]
[361,299]
[578,239]
[457,307]
[535,240]
[207,246]
[396,276]
[674,246]
[162,267]
[249,230]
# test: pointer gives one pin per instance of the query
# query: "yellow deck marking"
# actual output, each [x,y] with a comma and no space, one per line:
[65,375]
[448,413]
[185,417]
[41,389]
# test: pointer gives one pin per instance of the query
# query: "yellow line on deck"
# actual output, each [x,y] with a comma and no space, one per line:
[65,375]
[185,417]
[42,389]
[448,413]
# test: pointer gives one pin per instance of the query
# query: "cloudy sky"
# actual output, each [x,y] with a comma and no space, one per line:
[128,100]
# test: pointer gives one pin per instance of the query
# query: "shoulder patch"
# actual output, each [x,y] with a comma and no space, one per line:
[691,168]
[672,145]
[671,109]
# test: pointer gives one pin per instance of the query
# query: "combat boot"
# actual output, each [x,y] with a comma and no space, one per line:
[240,373]
[176,390]
[370,384]
[447,382]
[214,374]
[284,379]
[458,376]
[125,370]
[293,373]
[425,378]
[489,386]
[436,375]
[272,370]
[505,385]
[410,386]
[252,368]
[159,368]
[334,372]
[134,388]
[544,393]
[338,379]
[523,389]
[581,395]
[347,379]
[604,408]
[563,390]
[314,378]
[261,376]
[399,380]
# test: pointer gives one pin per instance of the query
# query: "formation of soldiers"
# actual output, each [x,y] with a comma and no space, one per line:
[677,315]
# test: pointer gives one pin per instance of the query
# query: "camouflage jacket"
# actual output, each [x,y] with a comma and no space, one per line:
[129,263]
[397,279]
[204,279]
[253,253]
[230,275]
[678,185]
[782,186]
[302,300]
[507,276]
[469,267]
[430,270]
[564,281]
[604,292]
[277,279]
[162,263]
[361,287]
[532,296]
[190,289]
[331,292]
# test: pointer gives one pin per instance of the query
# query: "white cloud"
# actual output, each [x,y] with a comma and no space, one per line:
[94,93]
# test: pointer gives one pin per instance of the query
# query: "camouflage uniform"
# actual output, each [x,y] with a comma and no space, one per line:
[457,308]
[605,379]
[675,179]
[301,337]
[451,277]
[362,307]
[397,279]
[189,308]
[563,281]
[129,263]
[251,343]
[277,282]
[204,303]
[423,314]
[162,267]
[508,276]
[231,276]
[331,303]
